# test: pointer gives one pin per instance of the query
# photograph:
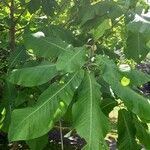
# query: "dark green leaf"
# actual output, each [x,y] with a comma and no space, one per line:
[126,131]
[33,122]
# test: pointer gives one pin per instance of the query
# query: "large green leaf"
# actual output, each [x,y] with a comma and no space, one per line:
[72,60]
[48,7]
[89,121]
[33,122]
[134,101]
[126,131]
[33,6]
[33,76]
[107,105]
[136,47]
[137,77]
[38,143]
[100,30]
[45,46]
[142,133]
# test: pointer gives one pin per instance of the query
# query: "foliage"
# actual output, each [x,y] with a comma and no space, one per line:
[74,61]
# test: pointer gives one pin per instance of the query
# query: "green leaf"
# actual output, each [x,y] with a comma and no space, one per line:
[48,7]
[72,60]
[136,47]
[126,131]
[33,76]
[38,143]
[134,101]
[45,46]
[34,5]
[100,30]
[137,77]
[107,105]
[142,133]
[89,121]
[18,56]
[33,122]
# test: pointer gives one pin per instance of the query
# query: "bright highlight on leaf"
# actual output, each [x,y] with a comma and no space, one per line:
[125,81]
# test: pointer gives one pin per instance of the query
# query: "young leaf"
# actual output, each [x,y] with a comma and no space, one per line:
[71,61]
[33,76]
[89,121]
[126,131]
[33,122]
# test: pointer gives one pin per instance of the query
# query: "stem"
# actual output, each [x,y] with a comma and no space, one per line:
[61,136]
[12,30]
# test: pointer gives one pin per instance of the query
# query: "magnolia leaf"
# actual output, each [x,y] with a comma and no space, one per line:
[142,133]
[38,143]
[72,60]
[126,131]
[134,101]
[136,47]
[89,121]
[100,30]
[45,46]
[33,6]
[33,122]
[137,77]
[33,76]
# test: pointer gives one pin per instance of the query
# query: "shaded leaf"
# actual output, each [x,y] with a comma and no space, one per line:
[126,131]
[33,122]
[136,47]
[134,101]
[142,133]
[38,143]
[34,5]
